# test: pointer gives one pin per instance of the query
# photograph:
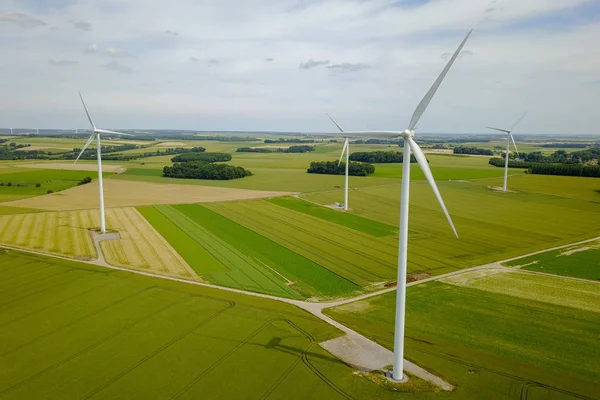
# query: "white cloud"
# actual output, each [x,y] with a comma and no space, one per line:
[520,60]
[62,63]
[118,67]
[22,20]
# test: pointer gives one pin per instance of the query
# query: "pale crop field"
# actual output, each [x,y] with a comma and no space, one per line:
[120,193]
[67,234]
[141,246]
[63,233]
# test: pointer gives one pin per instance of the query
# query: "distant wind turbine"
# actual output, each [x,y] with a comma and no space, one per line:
[96,132]
[509,137]
[345,149]
[410,144]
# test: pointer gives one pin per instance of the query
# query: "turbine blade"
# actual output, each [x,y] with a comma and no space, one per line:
[514,144]
[427,171]
[85,147]
[112,132]
[425,102]
[87,112]
[498,129]
[519,120]
[345,148]
[336,124]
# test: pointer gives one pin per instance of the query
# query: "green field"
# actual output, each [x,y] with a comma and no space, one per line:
[357,256]
[581,261]
[501,344]
[492,225]
[23,181]
[226,253]
[71,330]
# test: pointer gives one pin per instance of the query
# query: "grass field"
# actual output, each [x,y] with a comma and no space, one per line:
[494,336]
[78,331]
[63,233]
[226,253]
[580,261]
[23,181]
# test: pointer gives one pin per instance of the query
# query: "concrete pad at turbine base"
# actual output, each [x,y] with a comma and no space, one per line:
[366,355]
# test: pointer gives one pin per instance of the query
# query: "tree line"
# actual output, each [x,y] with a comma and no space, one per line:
[566,169]
[291,149]
[472,150]
[206,157]
[204,170]
[282,140]
[332,168]
[380,157]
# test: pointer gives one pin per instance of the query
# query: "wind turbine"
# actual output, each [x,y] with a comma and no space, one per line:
[509,137]
[96,132]
[346,149]
[410,144]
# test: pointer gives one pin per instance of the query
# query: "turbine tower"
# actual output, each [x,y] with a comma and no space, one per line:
[509,137]
[410,144]
[345,149]
[96,132]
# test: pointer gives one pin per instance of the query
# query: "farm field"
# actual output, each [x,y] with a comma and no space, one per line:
[225,253]
[287,172]
[23,181]
[580,261]
[62,233]
[67,234]
[119,193]
[509,342]
[104,337]
[356,256]
[501,225]
[559,186]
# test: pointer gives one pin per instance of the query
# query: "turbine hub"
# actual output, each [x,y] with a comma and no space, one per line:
[408,133]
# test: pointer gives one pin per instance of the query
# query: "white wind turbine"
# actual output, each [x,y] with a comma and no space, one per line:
[96,132]
[346,149]
[509,137]
[410,144]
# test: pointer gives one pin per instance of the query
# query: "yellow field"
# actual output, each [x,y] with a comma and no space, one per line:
[122,193]
[141,246]
[74,167]
[67,234]
[62,233]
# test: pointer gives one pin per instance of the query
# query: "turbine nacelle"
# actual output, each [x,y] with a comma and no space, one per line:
[408,134]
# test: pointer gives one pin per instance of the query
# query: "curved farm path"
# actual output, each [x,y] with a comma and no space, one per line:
[354,348]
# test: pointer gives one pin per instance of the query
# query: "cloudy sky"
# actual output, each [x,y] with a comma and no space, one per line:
[279,65]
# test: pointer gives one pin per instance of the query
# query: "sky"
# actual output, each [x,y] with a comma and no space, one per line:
[280,65]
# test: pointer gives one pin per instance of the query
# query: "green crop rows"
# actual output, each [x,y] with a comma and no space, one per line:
[110,334]
[357,256]
[226,253]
